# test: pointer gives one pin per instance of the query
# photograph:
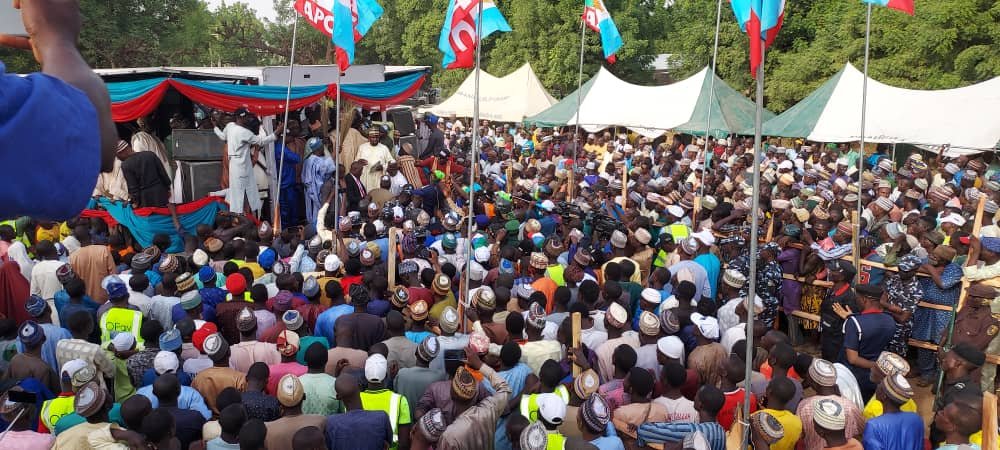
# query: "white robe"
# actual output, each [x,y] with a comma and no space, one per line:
[374,154]
[242,183]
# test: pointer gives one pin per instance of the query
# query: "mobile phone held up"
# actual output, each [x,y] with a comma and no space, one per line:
[10,20]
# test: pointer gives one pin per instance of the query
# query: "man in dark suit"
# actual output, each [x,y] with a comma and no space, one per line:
[354,189]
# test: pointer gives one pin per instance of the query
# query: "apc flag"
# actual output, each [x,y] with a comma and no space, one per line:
[319,17]
[900,5]
[597,17]
[760,20]
[363,14]
[458,34]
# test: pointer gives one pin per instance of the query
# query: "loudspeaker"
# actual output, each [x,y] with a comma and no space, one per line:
[413,150]
[197,145]
[200,178]
[402,119]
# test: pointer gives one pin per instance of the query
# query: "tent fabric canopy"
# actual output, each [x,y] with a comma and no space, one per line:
[133,99]
[652,110]
[505,99]
[964,117]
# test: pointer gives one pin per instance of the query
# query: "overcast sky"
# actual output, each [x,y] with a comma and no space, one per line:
[264,8]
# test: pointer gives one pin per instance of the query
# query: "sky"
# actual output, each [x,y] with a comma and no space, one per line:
[264,8]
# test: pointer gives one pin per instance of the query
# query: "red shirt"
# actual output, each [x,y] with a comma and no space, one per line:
[734,400]
[348,281]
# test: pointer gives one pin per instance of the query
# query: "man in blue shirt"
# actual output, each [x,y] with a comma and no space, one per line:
[894,429]
[62,114]
[866,335]
[356,428]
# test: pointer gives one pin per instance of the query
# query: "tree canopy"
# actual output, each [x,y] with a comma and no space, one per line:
[949,43]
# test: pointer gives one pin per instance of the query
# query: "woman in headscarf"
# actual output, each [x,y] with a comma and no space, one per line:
[14,290]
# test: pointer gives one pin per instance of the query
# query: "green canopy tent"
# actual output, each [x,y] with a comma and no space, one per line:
[652,110]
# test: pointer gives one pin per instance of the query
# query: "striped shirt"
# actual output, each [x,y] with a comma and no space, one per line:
[656,433]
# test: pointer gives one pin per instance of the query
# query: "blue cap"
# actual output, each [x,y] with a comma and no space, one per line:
[31,334]
[35,305]
[170,340]
[266,258]
[314,143]
[506,266]
[117,290]
[206,274]
[991,243]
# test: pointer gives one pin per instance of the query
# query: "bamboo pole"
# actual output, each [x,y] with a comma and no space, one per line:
[576,339]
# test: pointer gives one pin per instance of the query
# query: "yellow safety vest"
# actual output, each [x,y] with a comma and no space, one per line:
[119,320]
[379,401]
[679,231]
[555,441]
[529,404]
[55,409]
[555,272]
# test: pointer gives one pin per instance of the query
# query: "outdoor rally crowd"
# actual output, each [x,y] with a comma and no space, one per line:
[256,337]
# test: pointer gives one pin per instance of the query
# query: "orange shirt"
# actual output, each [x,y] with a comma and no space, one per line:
[547,287]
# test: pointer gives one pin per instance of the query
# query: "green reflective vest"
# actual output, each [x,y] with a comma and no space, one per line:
[118,320]
[529,404]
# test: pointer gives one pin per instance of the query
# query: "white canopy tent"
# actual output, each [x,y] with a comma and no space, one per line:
[506,99]
[965,118]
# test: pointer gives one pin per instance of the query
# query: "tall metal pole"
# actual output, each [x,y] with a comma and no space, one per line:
[758,149]
[474,159]
[579,87]
[336,156]
[288,100]
[864,110]
[711,102]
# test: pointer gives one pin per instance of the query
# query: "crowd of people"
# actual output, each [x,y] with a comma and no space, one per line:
[428,296]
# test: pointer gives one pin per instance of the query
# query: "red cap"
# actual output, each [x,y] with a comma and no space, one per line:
[236,284]
[206,330]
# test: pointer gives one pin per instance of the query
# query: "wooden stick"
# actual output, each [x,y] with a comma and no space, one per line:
[770,230]
[855,245]
[989,419]
[510,177]
[576,339]
[391,262]
[624,185]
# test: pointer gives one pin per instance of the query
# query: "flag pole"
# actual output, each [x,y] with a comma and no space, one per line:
[336,154]
[579,86]
[276,217]
[473,161]
[754,212]
[711,102]
[864,110]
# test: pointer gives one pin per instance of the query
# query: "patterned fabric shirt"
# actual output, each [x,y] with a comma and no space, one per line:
[905,295]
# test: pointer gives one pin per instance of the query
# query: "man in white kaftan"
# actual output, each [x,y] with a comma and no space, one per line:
[242,183]
[378,157]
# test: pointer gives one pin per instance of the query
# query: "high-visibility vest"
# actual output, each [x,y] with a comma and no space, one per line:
[529,404]
[555,272]
[379,401]
[555,440]
[55,409]
[118,320]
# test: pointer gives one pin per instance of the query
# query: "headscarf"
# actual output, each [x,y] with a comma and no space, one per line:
[14,290]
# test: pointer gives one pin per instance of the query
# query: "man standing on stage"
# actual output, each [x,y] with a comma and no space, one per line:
[243,194]
[376,156]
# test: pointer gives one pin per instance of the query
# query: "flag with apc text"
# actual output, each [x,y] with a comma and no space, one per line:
[458,34]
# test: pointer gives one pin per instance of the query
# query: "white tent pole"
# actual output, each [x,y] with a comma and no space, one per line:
[288,100]
[336,155]
[579,87]
[711,102]
[864,109]
[758,149]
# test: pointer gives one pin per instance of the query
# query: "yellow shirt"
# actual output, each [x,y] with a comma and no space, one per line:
[792,426]
[874,409]
[48,234]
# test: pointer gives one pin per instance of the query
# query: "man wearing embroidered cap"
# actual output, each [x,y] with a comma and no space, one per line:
[449,338]
[249,350]
[822,378]
[614,321]
[290,394]
[706,356]
[209,382]
[894,429]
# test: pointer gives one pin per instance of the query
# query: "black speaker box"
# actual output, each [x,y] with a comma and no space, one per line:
[197,145]
[199,178]
[402,120]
